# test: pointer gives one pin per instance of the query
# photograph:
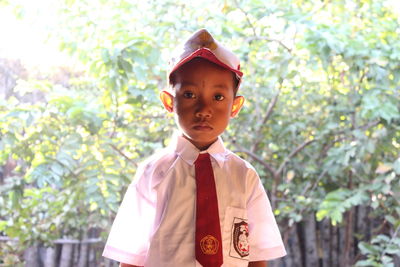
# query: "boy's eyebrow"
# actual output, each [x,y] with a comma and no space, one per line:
[220,85]
[187,83]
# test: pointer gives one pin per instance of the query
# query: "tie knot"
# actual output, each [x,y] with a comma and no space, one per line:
[202,157]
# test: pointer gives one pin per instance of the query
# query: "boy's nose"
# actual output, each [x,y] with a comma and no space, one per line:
[203,110]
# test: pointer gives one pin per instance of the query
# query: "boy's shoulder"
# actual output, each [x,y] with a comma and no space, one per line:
[161,158]
[151,171]
[236,160]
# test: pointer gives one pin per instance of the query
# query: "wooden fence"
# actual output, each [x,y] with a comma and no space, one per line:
[66,253]
[308,243]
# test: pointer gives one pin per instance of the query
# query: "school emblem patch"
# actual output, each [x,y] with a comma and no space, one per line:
[240,234]
[209,245]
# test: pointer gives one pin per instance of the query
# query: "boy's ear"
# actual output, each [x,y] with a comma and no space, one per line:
[237,105]
[168,100]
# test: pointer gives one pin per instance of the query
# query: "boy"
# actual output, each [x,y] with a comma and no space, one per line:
[196,203]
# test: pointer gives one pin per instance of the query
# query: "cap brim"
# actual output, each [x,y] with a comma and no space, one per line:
[208,55]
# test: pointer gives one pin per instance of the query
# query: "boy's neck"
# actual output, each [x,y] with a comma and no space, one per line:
[200,146]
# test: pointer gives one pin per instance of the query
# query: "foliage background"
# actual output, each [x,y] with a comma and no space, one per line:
[321,121]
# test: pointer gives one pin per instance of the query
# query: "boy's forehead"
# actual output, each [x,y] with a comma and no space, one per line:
[199,70]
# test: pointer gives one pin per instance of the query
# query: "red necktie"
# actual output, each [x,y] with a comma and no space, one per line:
[208,232]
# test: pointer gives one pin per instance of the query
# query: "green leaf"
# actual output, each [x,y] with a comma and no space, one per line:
[366,248]
[368,262]
[338,201]
[396,166]
[57,169]
[3,225]
[393,249]
[392,220]
[105,55]
[389,111]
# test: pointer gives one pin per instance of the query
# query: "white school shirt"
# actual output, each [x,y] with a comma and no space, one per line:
[155,224]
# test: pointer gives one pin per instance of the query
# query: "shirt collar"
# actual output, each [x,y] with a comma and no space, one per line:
[189,153]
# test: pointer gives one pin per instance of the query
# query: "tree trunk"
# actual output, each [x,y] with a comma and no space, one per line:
[66,255]
[333,244]
[108,263]
[288,241]
[341,246]
[50,258]
[325,239]
[348,238]
[76,255]
[92,256]
[310,241]
[361,229]
[294,250]
[363,223]
[84,251]
[31,257]
[301,242]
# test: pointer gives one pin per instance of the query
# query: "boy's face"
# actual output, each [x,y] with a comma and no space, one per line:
[203,101]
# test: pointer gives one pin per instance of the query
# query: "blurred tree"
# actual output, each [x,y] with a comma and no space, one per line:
[321,121]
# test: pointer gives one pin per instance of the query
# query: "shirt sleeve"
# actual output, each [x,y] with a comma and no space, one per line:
[130,234]
[264,236]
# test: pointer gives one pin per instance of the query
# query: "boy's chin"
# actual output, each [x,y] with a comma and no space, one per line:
[200,143]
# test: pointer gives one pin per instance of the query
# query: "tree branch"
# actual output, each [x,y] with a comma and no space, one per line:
[315,183]
[247,17]
[257,158]
[268,114]
[328,146]
[122,154]
[293,153]
[270,40]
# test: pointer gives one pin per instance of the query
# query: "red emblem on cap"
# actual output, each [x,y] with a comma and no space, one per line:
[209,245]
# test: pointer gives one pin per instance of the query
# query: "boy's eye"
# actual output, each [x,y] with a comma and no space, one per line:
[188,95]
[219,97]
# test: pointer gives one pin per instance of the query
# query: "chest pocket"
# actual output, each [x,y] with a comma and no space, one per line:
[235,238]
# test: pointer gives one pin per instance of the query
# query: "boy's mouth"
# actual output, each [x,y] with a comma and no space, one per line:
[202,127]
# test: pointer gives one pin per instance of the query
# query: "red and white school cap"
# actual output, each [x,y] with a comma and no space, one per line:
[202,44]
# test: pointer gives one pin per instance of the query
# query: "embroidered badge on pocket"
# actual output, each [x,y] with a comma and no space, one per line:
[240,247]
